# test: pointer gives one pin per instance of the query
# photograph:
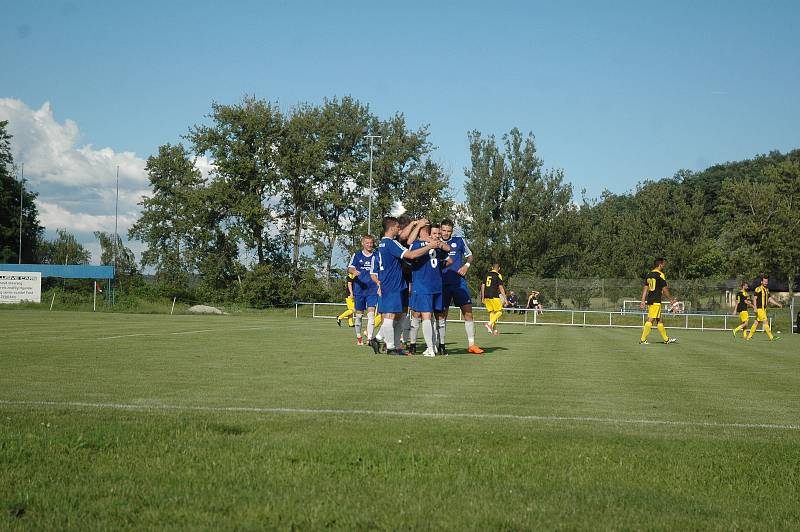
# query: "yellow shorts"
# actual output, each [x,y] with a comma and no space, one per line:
[493,305]
[744,316]
[351,303]
[761,314]
[654,311]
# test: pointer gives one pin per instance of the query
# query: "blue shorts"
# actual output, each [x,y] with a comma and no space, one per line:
[393,302]
[458,295]
[426,302]
[364,301]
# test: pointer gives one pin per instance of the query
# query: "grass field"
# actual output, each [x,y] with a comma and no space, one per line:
[112,421]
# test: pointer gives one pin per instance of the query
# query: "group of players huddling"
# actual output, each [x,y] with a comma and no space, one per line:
[419,269]
[413,276]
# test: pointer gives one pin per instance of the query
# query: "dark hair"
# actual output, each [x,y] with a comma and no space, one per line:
[388,221]
[764,276]
[403,220]
[744,283]
[447,221]
[659,260]
[436,226]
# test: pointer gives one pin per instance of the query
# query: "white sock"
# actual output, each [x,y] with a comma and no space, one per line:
[442,329]
[414,330]
[358,325]
[398,330]
[470,327]
[427,332]
[370,323]
[387,330]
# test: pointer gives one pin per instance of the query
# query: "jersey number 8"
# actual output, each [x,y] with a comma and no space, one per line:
[434,260]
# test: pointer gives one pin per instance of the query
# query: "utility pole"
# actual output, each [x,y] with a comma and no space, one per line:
[21,190]
[369,202]
[114,248]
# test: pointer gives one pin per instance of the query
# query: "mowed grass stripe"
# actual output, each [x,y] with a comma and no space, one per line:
[396,413]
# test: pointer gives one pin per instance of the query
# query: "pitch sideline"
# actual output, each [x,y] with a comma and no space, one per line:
[394,413]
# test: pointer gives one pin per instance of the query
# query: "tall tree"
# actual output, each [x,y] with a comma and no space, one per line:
[338,197]
[516,212]
[169,215]
[14,196]
[64,249]
[125,259]
[244,142]
[302,156]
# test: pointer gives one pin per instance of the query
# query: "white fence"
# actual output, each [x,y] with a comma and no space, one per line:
[563,317]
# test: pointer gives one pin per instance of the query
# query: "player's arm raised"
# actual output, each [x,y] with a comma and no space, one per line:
[410,254]
[410,233]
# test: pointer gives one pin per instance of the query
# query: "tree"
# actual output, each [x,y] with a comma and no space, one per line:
[516,212]
[169,216]
[338,198]
[302,156]
[244,142]
[10,189]
[64,249]
[125,259]
[762,221]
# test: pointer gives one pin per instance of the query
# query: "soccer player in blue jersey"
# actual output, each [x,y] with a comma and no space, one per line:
[455,289]
[365,291]
[426,288]
[392,287]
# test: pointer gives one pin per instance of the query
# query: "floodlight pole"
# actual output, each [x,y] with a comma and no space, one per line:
[21,190]
[114,248]
[369,201]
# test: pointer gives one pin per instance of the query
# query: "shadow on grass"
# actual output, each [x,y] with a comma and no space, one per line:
[464,352]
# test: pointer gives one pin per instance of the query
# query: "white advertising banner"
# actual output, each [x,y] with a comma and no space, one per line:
[16,287]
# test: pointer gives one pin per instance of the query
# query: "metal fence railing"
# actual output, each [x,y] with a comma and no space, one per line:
[561,317]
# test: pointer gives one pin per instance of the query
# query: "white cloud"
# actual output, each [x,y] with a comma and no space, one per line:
[76,183]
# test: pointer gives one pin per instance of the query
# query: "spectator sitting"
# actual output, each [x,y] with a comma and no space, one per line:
[512,301]
[533,301]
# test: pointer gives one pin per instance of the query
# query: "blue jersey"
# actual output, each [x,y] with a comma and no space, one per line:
[363,283]
[458,251]
[386,265]
[427,270]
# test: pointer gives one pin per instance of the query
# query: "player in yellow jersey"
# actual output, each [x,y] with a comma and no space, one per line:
[351,304]
[743,302]
[762,301]
[655,286]
[493,294]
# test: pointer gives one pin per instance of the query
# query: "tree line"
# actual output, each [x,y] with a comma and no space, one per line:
[731,220]
[286,201]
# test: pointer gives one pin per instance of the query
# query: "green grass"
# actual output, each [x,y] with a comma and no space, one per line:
[178,428]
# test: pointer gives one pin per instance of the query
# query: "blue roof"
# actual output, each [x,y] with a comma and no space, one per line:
[73,271]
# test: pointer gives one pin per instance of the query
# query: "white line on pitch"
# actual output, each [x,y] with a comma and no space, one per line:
[396,413]
[259,328]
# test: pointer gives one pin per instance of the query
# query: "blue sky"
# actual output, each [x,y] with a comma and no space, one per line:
[614,92]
